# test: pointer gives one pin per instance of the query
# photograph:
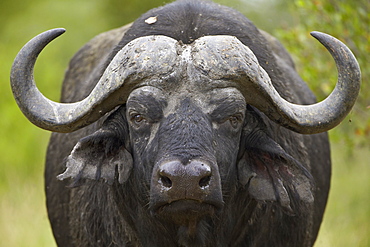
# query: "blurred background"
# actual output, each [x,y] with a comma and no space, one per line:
[23,218]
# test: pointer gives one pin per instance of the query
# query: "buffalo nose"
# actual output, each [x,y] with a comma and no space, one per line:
[185,179]
[176,181]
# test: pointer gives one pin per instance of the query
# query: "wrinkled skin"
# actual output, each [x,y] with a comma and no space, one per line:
[271,183]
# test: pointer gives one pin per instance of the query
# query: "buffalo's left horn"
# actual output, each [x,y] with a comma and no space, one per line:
[107,94]
[325,115]
[225,58]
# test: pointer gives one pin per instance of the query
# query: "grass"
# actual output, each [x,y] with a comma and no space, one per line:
[347,218]
[23,215]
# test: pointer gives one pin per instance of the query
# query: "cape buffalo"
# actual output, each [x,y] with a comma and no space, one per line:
[189,127]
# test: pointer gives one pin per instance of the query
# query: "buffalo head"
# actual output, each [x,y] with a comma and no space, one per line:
[181,119]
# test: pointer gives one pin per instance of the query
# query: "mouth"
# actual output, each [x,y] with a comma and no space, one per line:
[183,211]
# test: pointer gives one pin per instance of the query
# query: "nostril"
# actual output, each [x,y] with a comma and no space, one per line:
[203,182]
[166,181]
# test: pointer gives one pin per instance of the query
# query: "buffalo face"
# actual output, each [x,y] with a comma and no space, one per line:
[189,141]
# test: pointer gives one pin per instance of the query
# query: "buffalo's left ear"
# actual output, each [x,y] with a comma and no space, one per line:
[103,154]
[268,172]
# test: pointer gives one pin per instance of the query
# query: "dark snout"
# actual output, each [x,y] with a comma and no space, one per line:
[179,187]
[179,179]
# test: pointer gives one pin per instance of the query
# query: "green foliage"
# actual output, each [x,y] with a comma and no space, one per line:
[348,21]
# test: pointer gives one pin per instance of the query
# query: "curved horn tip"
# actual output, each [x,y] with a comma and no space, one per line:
[56,31]
[51,33]
[322,37]
[59,30]
[317,34]
[325,38]
[46,37]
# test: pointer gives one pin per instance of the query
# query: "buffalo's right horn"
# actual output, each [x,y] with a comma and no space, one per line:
[108,92]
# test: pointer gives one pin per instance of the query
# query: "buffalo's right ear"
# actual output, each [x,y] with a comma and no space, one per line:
[268,172]
[102,155]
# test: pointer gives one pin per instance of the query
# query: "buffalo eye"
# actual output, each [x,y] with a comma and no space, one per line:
[235,120]
[137,119]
